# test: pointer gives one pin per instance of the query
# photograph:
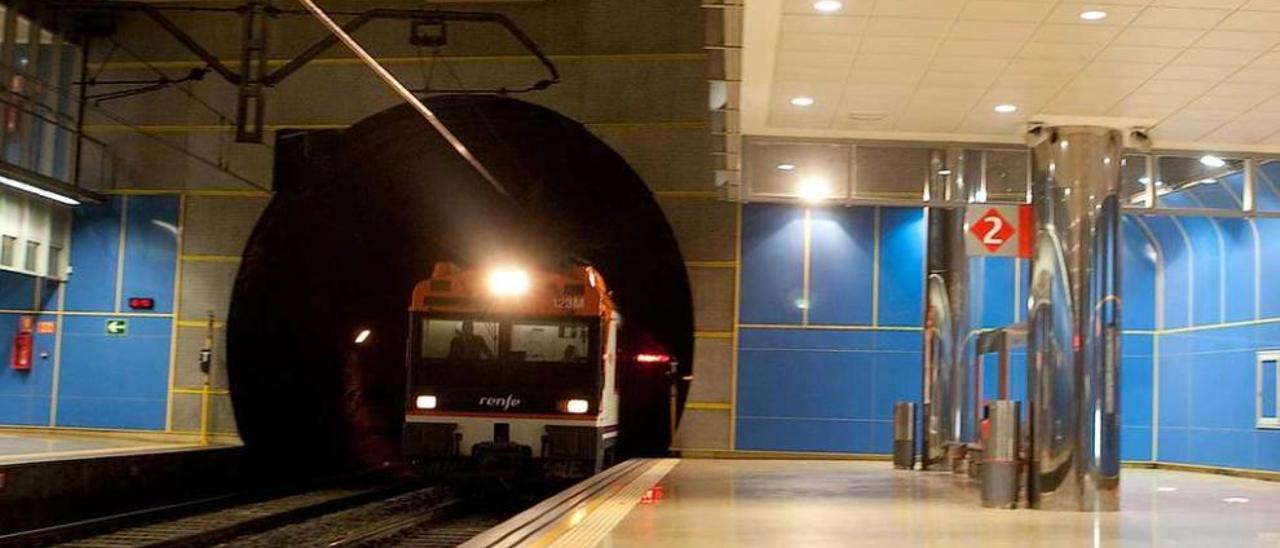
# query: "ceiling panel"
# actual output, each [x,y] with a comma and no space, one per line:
[1197,69]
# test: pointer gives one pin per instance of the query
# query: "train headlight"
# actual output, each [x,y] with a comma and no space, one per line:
[425,402]
[509,282]
[577,406]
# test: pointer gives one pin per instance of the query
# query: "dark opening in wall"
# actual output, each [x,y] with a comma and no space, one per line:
[361,215]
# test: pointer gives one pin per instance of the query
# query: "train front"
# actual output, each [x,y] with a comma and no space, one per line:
[513,371]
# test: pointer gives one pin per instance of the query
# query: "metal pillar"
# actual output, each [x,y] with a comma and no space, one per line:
[1073,346]
[946,313]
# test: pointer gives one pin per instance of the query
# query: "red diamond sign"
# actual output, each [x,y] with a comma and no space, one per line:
[992,230]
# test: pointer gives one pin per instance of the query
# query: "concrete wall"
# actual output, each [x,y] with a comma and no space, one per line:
[633,71]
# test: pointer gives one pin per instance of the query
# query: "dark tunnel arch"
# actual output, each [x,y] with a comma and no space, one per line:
[361,215]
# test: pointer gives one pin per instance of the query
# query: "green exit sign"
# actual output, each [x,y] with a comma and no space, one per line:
[117,327]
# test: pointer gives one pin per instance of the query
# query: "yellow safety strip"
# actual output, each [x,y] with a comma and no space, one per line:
[212,258]
[711,264]
[340,61]
[713,334]
[688,194]
[200,392]
[708,406]
[201,324]
[591,523]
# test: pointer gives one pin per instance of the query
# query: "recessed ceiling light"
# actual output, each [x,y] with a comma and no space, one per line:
[1093,15]
[812,190]
[786,167]
[1208,181]
[944,172]
[802,101]
[1006,108]
[1212,161]
[1166,489]
[1235,500]
[828,6]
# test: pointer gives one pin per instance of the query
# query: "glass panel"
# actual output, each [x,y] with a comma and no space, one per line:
[459,339]
[1198,182]
[1134,180]
[45,97]
[1005,175]
[549,342]
[32,257]
[16,121]
[8,248]
[899,173]
[1268,381]
[54,267]
[790,170]
[64,140]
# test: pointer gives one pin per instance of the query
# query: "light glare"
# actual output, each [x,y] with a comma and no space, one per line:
[1093,15]
[828,6]
[1006,108]
[802,102]
[509,281]
[363,336]
[812,190]
[576,406]
[786,167]
[1212,161]
[425,402]
[14,183]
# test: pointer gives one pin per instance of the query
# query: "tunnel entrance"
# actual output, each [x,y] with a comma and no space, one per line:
[361,215]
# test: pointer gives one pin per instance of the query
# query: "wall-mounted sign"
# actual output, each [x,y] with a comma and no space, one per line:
[46,327]
[117,327]
[142,303]
[999,230]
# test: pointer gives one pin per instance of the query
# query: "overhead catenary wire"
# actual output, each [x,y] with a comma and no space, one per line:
[405,94]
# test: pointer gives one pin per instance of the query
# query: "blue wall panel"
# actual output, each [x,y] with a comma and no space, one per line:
[823,390]
[1138,276]
[1239,263]
[17,291]
[772,270]
[1208,306]
[95,250]
[151,249]
[842,266]
[1269,256]
[992,290]
[902,245]
[25,395]
[1176,271]
[114,382]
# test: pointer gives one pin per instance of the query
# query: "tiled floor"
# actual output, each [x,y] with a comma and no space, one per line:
[834,503]
[18,447]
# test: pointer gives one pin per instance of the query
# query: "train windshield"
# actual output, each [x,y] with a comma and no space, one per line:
[549,342]
[460,340]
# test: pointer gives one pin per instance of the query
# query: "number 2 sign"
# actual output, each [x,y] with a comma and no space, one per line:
[1001,231]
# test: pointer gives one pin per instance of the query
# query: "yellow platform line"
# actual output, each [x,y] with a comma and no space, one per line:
[708,406]
[343,61]
[713,334]
[711,264]
[208,128]
[211,258]
[200,392]
[201,324]
[591,528]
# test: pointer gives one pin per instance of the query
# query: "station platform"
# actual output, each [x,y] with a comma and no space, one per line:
[704,502]
[49,477]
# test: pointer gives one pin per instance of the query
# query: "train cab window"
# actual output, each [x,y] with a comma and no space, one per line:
[466,340]
[549,342]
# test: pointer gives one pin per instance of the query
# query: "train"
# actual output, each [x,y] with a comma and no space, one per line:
[513,371]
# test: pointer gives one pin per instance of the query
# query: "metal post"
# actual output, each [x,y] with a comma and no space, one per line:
[1000,456]
[946,311]
[904,435]
[1074,319]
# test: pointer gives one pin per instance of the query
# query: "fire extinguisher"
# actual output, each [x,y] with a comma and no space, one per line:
[23,346]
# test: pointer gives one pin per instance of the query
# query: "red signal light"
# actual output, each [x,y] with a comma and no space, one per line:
[652,358]
[142,303]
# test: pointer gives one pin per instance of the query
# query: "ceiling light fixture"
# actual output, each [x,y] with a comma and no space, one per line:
[786,167]
[1093,15]
[802,101]
[48,194]
[828,6]
[1006,108]
[1235,500]
[1212,161]
[812,190]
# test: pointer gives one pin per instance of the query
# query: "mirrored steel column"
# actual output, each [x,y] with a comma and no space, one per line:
[946,309]
[1073,344]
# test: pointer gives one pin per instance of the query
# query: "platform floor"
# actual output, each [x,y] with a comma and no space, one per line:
[22,447]
[849,503]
